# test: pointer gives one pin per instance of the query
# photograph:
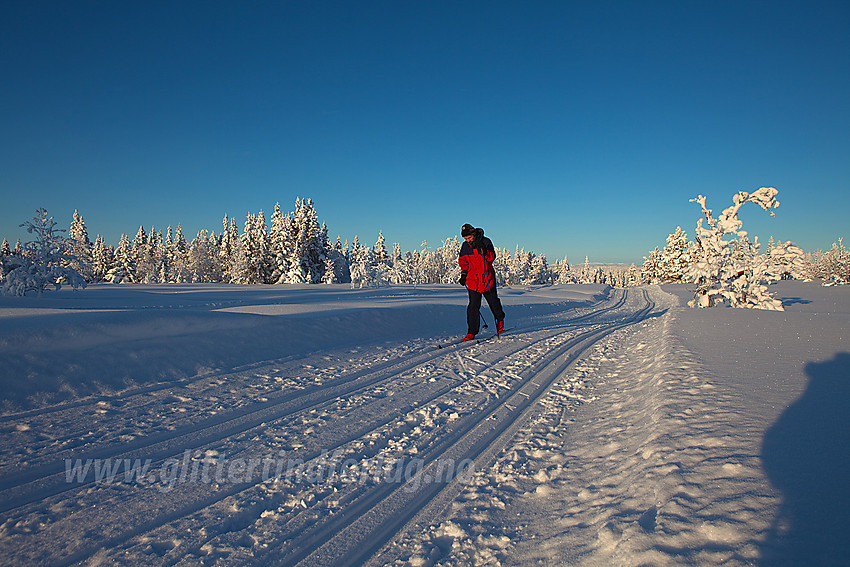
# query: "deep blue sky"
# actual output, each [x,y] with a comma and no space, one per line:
[577,128]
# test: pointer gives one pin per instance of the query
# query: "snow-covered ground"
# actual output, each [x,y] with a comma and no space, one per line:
[319,425]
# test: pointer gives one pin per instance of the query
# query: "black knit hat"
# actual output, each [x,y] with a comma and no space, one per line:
[467,230]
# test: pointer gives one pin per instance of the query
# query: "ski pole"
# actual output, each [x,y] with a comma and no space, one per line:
[483,320]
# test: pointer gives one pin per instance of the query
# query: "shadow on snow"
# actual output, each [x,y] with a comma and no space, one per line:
[806,456]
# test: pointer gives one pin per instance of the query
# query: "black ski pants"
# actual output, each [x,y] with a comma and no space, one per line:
[473,317]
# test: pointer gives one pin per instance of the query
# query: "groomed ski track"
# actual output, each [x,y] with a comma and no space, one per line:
[412,403]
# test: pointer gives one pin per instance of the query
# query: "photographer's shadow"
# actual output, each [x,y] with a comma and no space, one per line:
[806,456]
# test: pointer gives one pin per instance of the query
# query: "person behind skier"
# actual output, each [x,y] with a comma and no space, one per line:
[476,262]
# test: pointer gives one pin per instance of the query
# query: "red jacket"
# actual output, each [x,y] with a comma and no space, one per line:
[477,261]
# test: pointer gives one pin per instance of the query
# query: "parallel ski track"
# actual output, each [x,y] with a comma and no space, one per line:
[93,400]
[36,483]
[244,421]
[363,527]
[197,505]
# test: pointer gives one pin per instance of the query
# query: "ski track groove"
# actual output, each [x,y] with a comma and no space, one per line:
[143,445]
[304,400]
[490,440]
[159,386]
[142,448]
[369,505]
[364,504]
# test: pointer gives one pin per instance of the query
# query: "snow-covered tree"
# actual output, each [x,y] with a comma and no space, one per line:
[238,267]
[365,269]
[309,245]
[124,267]
[785,259]
[144,256]
[400,265]
[81,247]
[102,259]
[518,267]
[281,238]
[255,260]
[539,273]
[5,252]
[632,276]
[360,265]
[651,272]
[203,258]
[832,266]
[44,262]
[674,264]
[727,270]
[380,249]
[339,257]
[180,263]
[563,272]
[226,248]
[444,262]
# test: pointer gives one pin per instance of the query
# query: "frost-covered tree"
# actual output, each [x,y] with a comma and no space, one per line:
[281,239]
[81,247]
[44,262]
[728,269]
[162,253]
[238,267]
[5,252]
[339,256]
[180,264]
[400,265]
[226,247]
[253,264]
[586,273]
[444,262]
[832,266]
[563,272]
[203,258]
[539,274]
[330,276]
[103,258]
[380,249]
[365,269]
[632,276]
[651,272]
[361,265]
[309,245]
[123,269]
[674,264]
[144,256]
[518,267]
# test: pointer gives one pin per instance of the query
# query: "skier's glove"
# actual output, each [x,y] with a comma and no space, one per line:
[463,278]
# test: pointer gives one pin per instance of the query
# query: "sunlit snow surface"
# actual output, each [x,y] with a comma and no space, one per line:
[607,427]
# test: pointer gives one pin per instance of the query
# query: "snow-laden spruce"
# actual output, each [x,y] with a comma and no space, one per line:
[42,263]
[731,270]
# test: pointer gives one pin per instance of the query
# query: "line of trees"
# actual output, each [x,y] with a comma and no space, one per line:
[294,248]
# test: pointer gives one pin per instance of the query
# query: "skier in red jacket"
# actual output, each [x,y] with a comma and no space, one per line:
[476,262]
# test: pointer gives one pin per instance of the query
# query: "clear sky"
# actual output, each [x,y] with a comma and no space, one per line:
[567,127]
